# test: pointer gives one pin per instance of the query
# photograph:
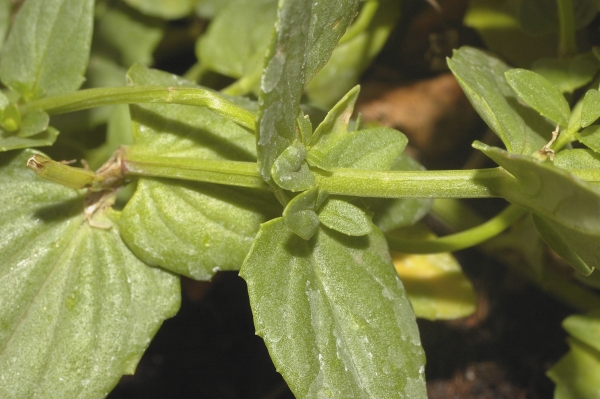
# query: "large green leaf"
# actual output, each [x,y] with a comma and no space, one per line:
[5,9]
[481,76]
[334,314]
[190,228]
[236,40]
[576,374]
[546,190]
[591,107]
[568,74]
[78,309]
[305,36]
[541,94]
[350,59]
[50,59]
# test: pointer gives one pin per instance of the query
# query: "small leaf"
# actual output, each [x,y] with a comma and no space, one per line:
[590,136]
[335,123]
[306,34]
[300,216]
[290,170]
[334,315]
[12,141]
[568,74]
[481,76]
[436,286]
[580,250]
[33,123]
[50,59]
[576,373]
[546,190]
[540,94]
[370,149]
[237,38]
[78,308]
[168,9]
[584,327]
[591,107]
[344,217]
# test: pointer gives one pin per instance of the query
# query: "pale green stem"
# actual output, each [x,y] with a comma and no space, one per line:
[362,22]
[233,173]
[195,73]
[91,98]
[567,44]
[462,240]
[243,85]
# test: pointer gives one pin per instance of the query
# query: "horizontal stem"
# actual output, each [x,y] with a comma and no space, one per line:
[233,173]
[90,98]
[462,240]
[411,184]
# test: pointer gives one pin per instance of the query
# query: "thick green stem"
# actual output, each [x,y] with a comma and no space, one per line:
[462,240]
[567,44]
[91,98]
[413,184]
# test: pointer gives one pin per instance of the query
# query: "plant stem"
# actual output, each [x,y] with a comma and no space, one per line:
[361,22]
[411,184]
[462,240]
[91,98]
[567,45]
[233,173]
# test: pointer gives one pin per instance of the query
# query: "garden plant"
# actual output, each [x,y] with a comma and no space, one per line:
[274,175]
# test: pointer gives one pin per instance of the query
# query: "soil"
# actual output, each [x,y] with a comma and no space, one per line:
[209,350]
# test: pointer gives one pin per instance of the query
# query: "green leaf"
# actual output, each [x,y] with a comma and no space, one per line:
[168,9]
[300,216]
[50,59]
[580,250]
[78,308]
[481,76]
[568,74]
[577,158]
[586,328]
[137,38]
[590,136]
[33,123]
[498,25]
[350,59]
[546,190]
[390,214]
[369,149]
[344,217]
[189,228]
[576,374]
[334,315]
[12,141]
[236,40]
[290,170]
[436,286]
[539,17]
[305,36]
[335,124]
[540,94]
[591,107]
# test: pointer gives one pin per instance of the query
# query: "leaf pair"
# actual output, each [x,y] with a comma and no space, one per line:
[45,61]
